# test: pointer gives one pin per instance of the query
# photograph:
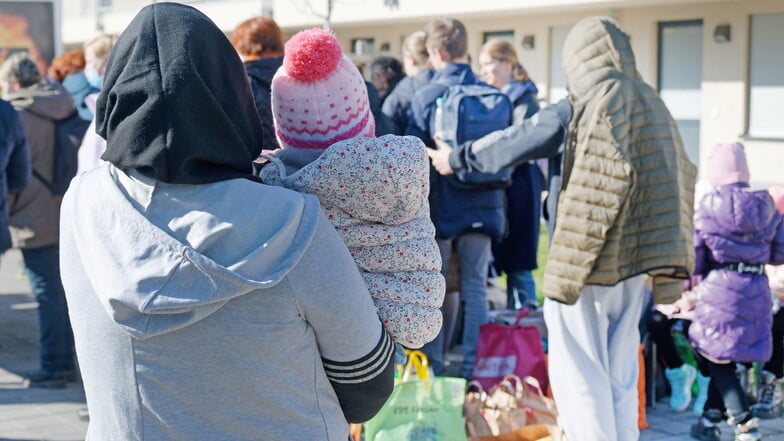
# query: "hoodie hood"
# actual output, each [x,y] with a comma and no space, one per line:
[167,256]
[596,49]
[515,89]
[46,100]
[174,90]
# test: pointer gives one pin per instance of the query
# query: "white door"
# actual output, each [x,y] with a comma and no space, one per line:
[680,78]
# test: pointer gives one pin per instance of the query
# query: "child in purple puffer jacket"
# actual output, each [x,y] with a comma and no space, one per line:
[737,232]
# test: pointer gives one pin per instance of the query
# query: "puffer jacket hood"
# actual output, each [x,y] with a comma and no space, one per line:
[737,224]
[160,284]
[596,50]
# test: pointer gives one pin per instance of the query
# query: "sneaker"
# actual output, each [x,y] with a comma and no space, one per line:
[680,379]
[46,381]
[705,430]
[748,431]
[769,397]
[702,394]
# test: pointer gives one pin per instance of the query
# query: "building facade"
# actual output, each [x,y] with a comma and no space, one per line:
[717,64]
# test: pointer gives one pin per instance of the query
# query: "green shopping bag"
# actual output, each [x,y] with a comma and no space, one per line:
[422,409]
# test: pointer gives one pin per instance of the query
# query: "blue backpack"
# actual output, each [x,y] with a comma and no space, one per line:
[469,112]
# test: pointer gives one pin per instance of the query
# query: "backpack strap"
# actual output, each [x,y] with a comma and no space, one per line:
[46,183]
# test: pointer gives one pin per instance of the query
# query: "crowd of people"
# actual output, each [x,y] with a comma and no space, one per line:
[266,224]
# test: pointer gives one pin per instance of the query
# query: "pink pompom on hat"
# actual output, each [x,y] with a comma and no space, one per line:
[318,95]
[777,193]
[727,164]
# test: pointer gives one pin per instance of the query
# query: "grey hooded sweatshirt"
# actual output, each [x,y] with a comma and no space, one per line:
[205,305]
[224,311]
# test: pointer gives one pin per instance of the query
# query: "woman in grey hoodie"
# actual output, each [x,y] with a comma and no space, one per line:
[205,305]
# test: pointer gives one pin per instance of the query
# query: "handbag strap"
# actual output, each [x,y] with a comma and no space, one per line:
[521,315]
[417,361]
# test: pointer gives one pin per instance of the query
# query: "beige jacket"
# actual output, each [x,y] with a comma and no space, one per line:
[35,212]
[626,203]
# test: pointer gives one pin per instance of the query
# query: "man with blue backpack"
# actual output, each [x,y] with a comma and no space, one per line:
[467,209]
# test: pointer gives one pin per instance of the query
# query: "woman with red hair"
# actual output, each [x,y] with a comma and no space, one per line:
[259,43]
[68,70]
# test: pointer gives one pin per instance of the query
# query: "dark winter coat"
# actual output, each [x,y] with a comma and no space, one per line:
[397,104]
[260,73]
[15,169]
[732,319]
[517,251]
[35,211]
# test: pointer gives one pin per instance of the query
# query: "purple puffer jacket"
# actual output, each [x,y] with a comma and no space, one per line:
[732,319]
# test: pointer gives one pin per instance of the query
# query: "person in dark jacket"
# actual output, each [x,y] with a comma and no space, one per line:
[15,168]
[416,65]
[736,231]
[35,213]
[259,43]
[515,254]
[466,219]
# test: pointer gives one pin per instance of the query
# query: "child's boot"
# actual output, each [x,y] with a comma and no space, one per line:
[702,394]
[707,428]
[681,379]
[748,431]
[769,397]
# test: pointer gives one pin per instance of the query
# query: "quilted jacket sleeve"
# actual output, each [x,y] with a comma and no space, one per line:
[590,203]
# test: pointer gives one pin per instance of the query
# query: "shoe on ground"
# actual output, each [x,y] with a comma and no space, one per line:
[748,431]
[680,379]
[45,380]
[705,430]
[83,414]
[769,398]
[702,394]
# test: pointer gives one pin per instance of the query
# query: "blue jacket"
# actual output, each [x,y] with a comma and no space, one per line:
[15,167]
[77,86]
[454,210]
[397,105]
[517,251]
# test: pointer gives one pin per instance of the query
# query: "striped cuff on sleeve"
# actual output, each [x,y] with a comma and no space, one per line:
[365,368]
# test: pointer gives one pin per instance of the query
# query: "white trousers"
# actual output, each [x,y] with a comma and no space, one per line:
[593,363]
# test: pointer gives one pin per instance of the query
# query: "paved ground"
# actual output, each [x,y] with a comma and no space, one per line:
[51,415]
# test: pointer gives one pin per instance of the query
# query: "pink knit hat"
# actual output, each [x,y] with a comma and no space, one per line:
[318,95]
[777,193]
[727,164]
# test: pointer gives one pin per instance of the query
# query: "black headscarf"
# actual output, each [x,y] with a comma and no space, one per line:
[176,104]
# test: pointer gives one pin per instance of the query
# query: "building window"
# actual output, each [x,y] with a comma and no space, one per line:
[503,35]
[363,47]
[557,83]
[766,83]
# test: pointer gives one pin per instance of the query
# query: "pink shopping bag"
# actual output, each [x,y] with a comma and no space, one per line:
[503,350]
